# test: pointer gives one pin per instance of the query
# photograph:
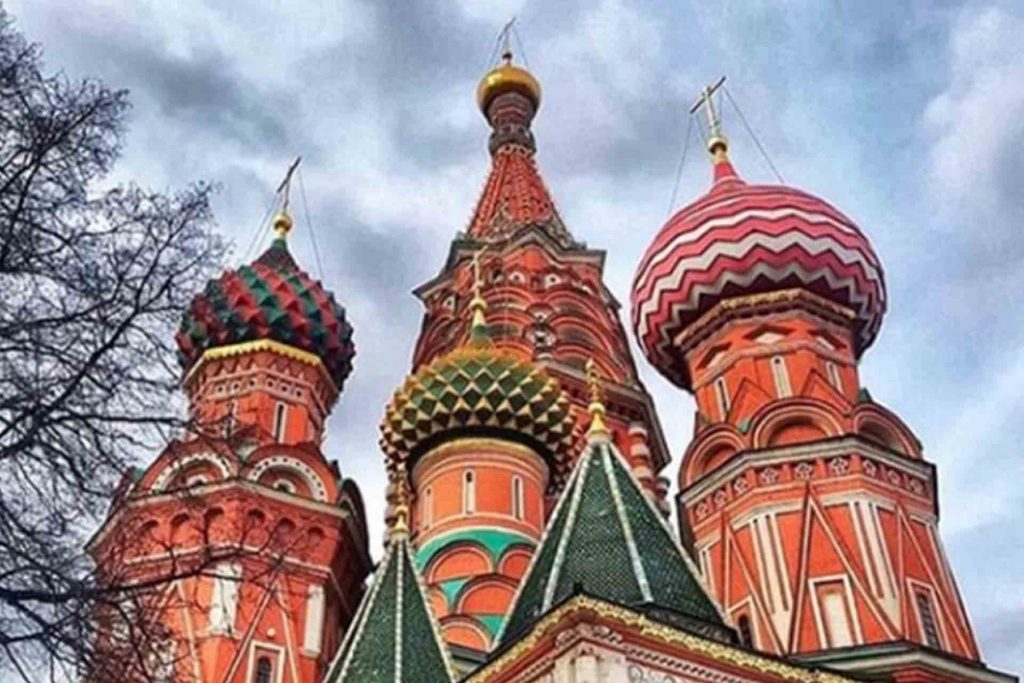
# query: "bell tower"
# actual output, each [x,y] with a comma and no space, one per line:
[545,288]
[810,508]
[484,435]
[242,545]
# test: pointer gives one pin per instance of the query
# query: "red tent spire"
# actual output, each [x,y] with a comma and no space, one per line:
[514,195]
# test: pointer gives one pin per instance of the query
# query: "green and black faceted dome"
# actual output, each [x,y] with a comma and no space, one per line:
[479,389]
[272,298]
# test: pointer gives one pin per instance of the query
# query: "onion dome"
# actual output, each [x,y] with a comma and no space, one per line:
[269,299]
[479,389]
[506,78]
[741,239]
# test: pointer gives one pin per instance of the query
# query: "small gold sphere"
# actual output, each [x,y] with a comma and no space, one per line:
[718,147]
[282,224]
[507,77]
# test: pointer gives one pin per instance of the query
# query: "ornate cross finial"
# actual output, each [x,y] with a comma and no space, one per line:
[478,305]
[717,144]
[283,221]
[401,524]
[506,40]
[595,386]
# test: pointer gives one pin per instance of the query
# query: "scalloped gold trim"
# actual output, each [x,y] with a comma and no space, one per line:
[271,345]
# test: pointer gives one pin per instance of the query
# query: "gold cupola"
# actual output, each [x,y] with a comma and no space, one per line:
[506,78]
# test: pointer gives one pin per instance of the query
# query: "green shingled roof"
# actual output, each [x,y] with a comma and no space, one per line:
[605,539]
[393,638]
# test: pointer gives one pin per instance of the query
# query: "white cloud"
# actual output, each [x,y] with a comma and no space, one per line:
[395,151]
[977,122]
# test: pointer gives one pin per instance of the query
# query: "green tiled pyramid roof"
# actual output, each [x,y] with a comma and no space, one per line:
[605,539]
[393,638]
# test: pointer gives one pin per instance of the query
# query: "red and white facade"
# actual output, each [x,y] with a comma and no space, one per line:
[241,546]
[810,508]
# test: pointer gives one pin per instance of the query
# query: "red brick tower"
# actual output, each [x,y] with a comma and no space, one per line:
[811,509]
[545,289]
[265,539]
[484,435]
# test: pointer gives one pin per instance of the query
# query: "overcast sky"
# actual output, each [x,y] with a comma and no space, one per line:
[907,115]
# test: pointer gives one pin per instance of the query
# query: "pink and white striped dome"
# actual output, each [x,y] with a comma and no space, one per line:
[743,239]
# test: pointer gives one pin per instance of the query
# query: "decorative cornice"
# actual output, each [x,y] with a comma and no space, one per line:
[270,345]
[885,658]
[816,450]
[730,309]
[583,606]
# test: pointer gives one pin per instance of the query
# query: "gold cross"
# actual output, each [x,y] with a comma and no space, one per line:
[283,221]
[716,141]
[284,189]
[506,42]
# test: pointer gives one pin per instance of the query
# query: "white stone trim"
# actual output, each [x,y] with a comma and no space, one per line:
[296,466]
[843,446]
[851,609]
[627,531]
[263,645]
[215,459]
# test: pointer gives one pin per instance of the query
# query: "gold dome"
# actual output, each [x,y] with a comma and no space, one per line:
[507,77]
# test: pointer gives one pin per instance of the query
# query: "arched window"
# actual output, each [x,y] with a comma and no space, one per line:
[929,629]
[517,497]
[280,415]
[781,374]
[264,670]
[468,492]
[232,414]
[722,396]
[746,633]
[427,509]
[833,375]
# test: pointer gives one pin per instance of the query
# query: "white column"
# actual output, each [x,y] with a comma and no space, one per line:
[224,601]
[586,669]
[314,620]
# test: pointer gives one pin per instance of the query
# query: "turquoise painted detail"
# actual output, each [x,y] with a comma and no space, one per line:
[494,541]
[492,622]
[451,589]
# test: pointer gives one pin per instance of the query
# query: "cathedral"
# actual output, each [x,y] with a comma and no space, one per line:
[529,519]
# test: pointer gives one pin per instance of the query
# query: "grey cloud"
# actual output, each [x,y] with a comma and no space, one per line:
[386,119]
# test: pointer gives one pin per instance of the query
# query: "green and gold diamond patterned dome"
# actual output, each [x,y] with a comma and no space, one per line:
[478,389]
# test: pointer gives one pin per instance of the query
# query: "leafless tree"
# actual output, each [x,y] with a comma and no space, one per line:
[92,283]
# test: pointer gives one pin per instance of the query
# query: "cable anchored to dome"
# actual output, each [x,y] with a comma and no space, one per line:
[679,168]
[309,223]
[283,221]
[750,130]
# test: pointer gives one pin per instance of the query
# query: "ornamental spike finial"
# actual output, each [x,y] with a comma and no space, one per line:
[718,146]
[478,333]
[400,527]
[283,220]
[595,385]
